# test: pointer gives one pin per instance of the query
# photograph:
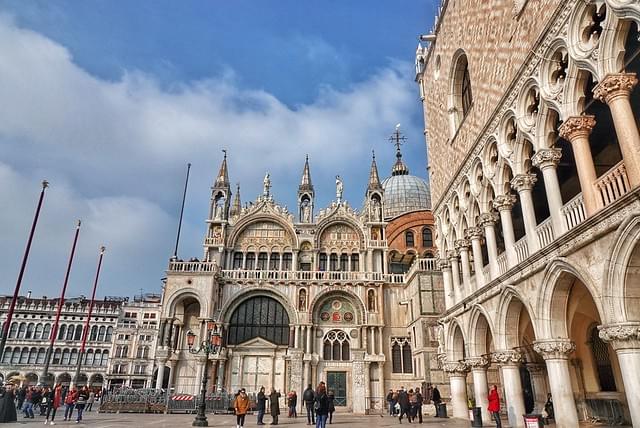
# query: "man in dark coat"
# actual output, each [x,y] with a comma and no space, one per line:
[435,397]
[309,397]
[321,406]
[274,404]
[403,401]
[261,405]
[419,400]
[7,405]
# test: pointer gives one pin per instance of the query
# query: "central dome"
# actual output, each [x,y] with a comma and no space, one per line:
[405,193]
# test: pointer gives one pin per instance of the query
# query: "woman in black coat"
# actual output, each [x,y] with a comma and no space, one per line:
[261,405]
[274,404]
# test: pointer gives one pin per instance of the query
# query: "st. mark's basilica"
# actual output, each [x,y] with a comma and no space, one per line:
[347,296]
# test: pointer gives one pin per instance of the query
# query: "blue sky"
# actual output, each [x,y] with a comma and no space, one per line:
[110,99]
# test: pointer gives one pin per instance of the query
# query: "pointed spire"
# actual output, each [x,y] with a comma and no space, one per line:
[374,179]
[223,174]
[305,182]
[236,208]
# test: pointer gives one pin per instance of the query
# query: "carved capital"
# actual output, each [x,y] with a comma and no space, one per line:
[487,219]
[545,158]
[462,244]
[554,349]
[474,233]
[507,357]
[481,362]
[621,336]
[577,126]
[444,264]
[615,85]
[522,182]
[504,202]
[535,368]
[458,368]
[452,255]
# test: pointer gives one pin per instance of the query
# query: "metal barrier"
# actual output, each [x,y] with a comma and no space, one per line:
[218,402]
[609,411]
[375,405]
[134,401]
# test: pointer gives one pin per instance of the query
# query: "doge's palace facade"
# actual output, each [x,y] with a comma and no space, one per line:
[532,120]
[305,297]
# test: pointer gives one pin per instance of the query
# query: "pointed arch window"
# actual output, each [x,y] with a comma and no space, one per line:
[355,262]
[344,262]
[336,346]
[262,261]
[274,261]
[287,261]
[467,98]
[47,331]
[401,359]
[333,262]
[427,237]
[250,261]
[322,262]
[237,260]
[600,352]
[259,316]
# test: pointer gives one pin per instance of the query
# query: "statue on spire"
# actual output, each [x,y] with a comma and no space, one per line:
[266,185]
[339,188]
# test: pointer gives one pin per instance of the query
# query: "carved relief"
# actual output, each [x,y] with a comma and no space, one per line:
[554,349]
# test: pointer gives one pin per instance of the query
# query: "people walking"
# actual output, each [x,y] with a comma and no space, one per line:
[274,404]
[241,407]
[54,403]
[332,405]
[7,404]
[292,403]
[403,401]
[391,402]
[435,397]
[261,405]
[90,401]
[69,403]
[321,406]
[309,398]
[21,395]
[418,406]
[494,405]
[81,403]
[27,407]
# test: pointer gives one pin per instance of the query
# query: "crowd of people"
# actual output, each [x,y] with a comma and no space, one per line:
[409,403]
[45,401]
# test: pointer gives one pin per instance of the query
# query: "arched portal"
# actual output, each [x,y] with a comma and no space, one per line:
[259,316]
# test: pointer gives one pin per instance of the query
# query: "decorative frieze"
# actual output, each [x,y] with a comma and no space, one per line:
[622,335]
[577,126]
[545,158]
[481,362]
[504,202]
[554,349]
[615,85]
[507,357]
[457,368]
[522,182]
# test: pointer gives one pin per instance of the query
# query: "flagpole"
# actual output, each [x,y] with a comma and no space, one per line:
[12,305]
[85,331]
[54,330]
[184,196]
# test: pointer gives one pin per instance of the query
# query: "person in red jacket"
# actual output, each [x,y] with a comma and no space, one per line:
[55,402]
[70,403]
[494,405]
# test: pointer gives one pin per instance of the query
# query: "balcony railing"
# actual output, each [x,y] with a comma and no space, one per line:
[613,185]
[421,264]
[191,267]
[545,233]
[378,243]
[573,212]
[277,275]
[522,249]
[502,263]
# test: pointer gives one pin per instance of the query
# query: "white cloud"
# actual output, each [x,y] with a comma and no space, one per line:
[115,152]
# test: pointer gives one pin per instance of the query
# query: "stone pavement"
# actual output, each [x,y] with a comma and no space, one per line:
[113,420]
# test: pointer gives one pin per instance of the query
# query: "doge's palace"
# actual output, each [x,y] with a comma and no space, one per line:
[532,117]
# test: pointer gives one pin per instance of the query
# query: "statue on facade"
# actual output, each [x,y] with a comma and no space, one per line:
[376,209]
[266,185]
[339,188]
[306,212]
[440,333]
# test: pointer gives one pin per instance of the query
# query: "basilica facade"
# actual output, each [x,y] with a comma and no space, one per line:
[350,297]
[532,119]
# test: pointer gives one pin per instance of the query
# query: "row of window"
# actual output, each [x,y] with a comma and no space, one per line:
[65,332]
[25,355]
[427,238]
[122,351]
[138,369]
[343,263]
[146,315]
[265,261]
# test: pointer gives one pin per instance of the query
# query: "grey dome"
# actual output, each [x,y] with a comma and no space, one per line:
[405,193]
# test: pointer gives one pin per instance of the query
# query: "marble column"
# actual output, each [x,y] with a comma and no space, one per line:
[445,267]
[455,276]
[556,355]
[200,361]
[488,222]
[539,383]
[462,246]
[358,375]
[509,362]
[504,204]
[615,90]
[308,348]
[458,383]
[474,234]
[221,373]
[523,184]
[172,373]
[296,337]
[576,130]
[625,340]
[380,346]
[160,375]
[547,161]
[478,366]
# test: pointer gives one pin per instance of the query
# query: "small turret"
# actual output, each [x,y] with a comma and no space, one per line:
[374,192]
[221,193]
[306,195]
[236,208]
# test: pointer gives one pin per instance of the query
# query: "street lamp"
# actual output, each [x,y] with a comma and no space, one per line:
[212,345]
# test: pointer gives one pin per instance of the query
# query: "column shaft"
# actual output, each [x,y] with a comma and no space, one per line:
[523,183]
[547,160]
[455,277]
[629,360]
[504,204]
[564,405]
[458,383]
[160,375]
[481,392]
[448,283]
[513,394]
[488,221]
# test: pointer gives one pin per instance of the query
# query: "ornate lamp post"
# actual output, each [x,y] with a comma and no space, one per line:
[211,345]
